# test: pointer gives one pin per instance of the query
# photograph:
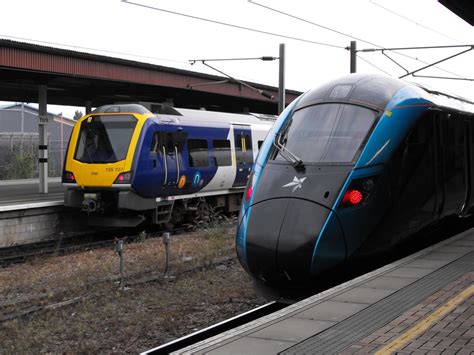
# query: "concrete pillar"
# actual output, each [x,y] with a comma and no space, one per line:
[43,138]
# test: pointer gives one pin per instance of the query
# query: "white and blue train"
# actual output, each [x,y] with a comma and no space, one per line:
[125,165]
[350,170]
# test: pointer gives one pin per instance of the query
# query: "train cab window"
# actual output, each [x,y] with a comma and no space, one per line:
[105,139]
[198,153]
[327,133]
[222,153]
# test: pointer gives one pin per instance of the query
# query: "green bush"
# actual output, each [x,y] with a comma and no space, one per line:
[20,166]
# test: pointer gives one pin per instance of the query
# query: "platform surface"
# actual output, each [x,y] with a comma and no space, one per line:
[421,304]
[24,194]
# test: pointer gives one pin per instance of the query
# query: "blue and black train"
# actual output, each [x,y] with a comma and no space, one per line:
[350,170]
[126,165]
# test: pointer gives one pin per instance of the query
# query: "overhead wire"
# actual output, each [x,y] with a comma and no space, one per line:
[232,25]
[343,34]
[311,22]
[373,65]
[413,21]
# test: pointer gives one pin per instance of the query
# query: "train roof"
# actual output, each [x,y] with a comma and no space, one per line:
[213,116]
[369,90]
[443,99]
[375,91]
[187,116]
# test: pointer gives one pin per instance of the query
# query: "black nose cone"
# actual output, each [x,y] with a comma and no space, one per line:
[281,237]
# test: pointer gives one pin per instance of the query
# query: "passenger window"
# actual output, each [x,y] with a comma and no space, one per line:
[168,140]
[222,154]
[155,143]
[247,149]
[244,145]
[197,153]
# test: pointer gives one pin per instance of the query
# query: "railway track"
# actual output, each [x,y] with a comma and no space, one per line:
[21,253]
[25,306]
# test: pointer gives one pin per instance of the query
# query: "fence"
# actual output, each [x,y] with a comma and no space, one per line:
[19,143]
[19,156]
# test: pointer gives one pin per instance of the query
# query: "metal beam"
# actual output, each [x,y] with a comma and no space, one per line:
[439,61]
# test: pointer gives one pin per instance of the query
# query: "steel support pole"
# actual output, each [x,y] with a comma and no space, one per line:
[353,56]
[88,106]
[43,138]
[281,80]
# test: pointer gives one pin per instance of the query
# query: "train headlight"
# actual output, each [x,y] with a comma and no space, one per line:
[68,177]
[124,178]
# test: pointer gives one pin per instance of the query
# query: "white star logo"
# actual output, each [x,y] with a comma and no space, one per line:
[296,183]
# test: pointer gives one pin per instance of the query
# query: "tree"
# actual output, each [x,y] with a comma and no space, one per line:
[78,114]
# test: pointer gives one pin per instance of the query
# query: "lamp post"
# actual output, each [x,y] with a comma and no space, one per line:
[281,76]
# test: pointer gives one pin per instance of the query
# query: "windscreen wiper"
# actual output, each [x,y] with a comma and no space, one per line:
[296,162]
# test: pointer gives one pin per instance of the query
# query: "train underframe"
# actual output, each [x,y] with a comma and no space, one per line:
[116,208]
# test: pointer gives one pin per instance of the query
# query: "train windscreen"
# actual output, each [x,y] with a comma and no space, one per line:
[105,139]
[326,133]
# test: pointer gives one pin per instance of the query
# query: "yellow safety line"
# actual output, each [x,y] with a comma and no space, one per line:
[424,324]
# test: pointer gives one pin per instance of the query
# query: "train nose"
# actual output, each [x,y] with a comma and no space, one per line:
[291,240]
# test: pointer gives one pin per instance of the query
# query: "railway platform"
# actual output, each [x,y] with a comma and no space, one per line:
[23,194]
[27,216]
[422,304]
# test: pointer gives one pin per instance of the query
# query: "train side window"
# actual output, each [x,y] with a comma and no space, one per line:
[222,154]
[260,144]
[155,143]
[248,151]
[197,153]
[245,146]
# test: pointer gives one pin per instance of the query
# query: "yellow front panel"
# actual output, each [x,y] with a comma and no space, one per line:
[101,174]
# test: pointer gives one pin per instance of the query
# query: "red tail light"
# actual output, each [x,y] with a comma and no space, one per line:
[249,189]
[359,192]
[124,178]
[248,193]
[69,177]
[353,197]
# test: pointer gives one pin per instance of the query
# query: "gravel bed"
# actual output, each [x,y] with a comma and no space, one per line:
[82,309]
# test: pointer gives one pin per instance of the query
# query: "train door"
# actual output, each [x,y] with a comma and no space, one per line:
[417,189]
[454,165]
[243,153]
[469,129]
[170,147]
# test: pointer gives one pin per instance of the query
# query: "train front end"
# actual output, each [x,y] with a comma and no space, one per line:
[306,191]
[99,159]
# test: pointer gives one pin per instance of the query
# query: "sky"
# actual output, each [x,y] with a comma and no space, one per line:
[315,32]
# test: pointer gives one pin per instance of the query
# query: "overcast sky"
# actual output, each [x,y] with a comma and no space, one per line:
[315,55]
